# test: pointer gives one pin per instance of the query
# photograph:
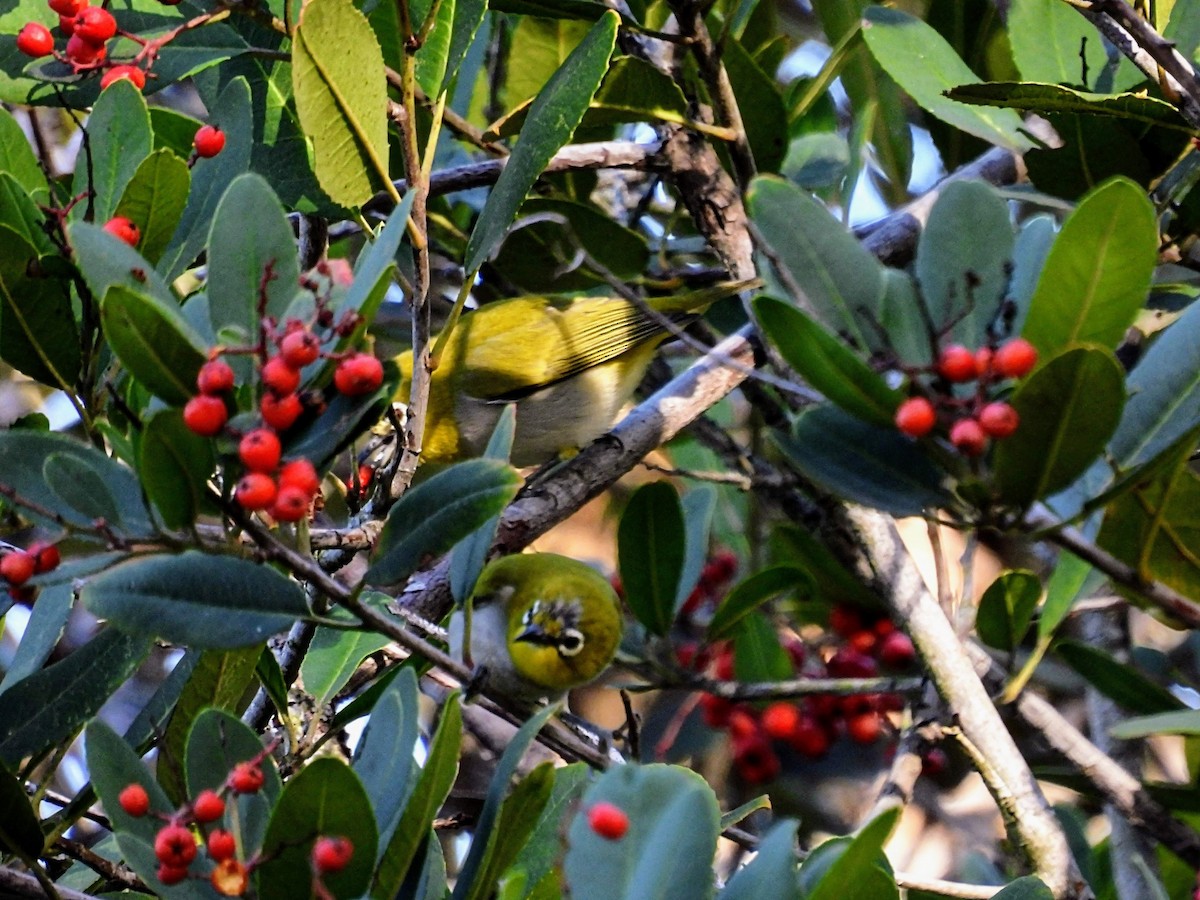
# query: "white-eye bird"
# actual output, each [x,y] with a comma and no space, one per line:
[568,363]
[541,624]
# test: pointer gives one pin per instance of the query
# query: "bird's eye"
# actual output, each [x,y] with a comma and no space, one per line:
[571,642]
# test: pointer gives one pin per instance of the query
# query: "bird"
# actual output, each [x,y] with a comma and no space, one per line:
[540,624]
[568,363]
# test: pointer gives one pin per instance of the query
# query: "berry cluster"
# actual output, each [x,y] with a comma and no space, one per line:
[286,490]
[976,419]
[810,726]
[17,566]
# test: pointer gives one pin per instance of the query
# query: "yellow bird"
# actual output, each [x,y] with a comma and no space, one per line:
[569,364]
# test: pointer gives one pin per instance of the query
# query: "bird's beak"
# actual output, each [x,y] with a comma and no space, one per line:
[533,634]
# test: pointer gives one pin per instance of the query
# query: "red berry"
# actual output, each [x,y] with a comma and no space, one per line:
[209,141]
[896,651]
[300,473]
[279,377]
[1015,359]
[915,417]
[359,374]
[215,377]
[221,845]
[129,73]
[934,762]
[208,806]
[864,728]
[291,504]
[95,24]
[724,665]
[299,348]
[608,820]
[755,761]
[134,800]
[956,363]
[844,620]
[983,362]
[35,40]
[331,854]
[779,720]
[968,437]
[742,725]
[205,415]
[260,450]
[66,24]
[26,594]
[17,567]
[175,846]
[246,778]
[998,419]
[862,641]
[230,878]
[46,556]
[84,53]
[122,228]
[69,8]
[280,412]
[808,738]
[849,663]
[884,627]
[716,710]
[171,874]
[256,491]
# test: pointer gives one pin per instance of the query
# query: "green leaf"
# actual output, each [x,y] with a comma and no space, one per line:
[244,261]
[19,827]
[853,867]
[327,799]
[1069,408]
[1048,40]
[105,261]
[1028,887]
[38,336]
[552,120]
[773,866]
[219,679]
[217,742]
[699,504]
[80,485]
[542,45]
[1006,609]
[673,822]
[468,16]
[79,684]
[963,259]
[840,281]
[18,160]
[922,63]
[852,459]
[826,363]
[154,342]
[436,514]
[384,758]
[216,602]
[651,550]
[341,99]
[210,178]
[1118,681]
[44,628]
[541,857]
[333,656]
[752,592]
[432,55]
[119,138]
[1051,98]
[437,777]
[1098,272]
[764,116]
[155,199]
[21,214]
[1186,721]
[757,653]
[174,464]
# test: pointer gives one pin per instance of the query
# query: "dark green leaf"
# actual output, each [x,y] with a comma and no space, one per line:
[859,867]
[650,545]
[174,463]
[773,866]
[119,138]
[468,16]
[757,653]
[79,684]
[874,466]
[332,658]
[922,63]
[1186,721]
[432,55]
[1069,409]
[1051,98]
[19,828]
[1098,272]
[699,504]
[154,342]
[673,821]
[326,798]
[552,120]
[270,676]
[826,363]
[105,261]
[80,485]
[1007,608]
[1048,40]
[432,517]
[764,117]
[1028,887]
[752,592]
[22,215]
[840,281]
[42,632]
[384,759]
[216,602]
[18,160]
[343,420]
[154,200]
[1118,681]
[542,854]
[38,336]
[341,99]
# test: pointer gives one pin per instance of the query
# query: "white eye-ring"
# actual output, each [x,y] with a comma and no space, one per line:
[571,642]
